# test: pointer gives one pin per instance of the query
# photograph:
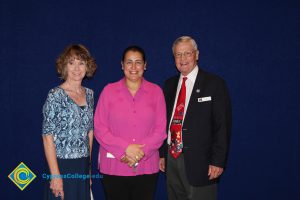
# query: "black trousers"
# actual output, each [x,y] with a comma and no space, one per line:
[75,188]
[178,185]
[140,187]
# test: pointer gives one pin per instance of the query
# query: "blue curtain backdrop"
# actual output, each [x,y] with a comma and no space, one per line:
[252,44]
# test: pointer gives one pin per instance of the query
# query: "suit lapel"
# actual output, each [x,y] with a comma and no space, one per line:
[172,96]
[195,93]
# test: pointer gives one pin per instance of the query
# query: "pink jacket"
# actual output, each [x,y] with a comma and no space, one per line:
[121,119]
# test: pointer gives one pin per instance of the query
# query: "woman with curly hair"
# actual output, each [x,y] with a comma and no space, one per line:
[68,126]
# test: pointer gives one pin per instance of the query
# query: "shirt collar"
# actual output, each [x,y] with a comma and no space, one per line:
[143,86]
[192,75]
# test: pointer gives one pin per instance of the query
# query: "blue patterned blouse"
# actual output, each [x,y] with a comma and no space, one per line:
[68,123]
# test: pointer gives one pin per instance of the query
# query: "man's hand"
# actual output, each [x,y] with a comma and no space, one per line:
[56,185]
[214,172]
[162,164]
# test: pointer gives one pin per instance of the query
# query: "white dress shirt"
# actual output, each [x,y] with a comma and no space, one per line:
[189,84]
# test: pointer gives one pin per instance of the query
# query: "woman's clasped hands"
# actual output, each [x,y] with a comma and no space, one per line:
[133,154]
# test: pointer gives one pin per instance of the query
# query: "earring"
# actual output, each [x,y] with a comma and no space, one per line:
[145,68]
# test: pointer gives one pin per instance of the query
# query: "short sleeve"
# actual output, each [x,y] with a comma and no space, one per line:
[50,110]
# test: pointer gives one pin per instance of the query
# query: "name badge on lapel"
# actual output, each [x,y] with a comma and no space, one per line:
[202,99]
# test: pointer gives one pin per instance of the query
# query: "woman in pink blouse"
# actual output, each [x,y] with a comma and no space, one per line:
[129,124]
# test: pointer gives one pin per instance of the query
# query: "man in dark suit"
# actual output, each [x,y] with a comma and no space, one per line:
[199,123]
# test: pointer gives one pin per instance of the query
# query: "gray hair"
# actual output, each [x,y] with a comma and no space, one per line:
[185,39]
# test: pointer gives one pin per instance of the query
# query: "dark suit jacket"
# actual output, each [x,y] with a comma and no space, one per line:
[206,128]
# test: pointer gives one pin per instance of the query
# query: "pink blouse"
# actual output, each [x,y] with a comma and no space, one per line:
[121,119]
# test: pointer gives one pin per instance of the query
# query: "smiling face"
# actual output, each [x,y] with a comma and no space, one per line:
[76,69]
[133,65]
[186,57]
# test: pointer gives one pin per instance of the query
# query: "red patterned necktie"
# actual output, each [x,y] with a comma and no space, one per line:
[176,124]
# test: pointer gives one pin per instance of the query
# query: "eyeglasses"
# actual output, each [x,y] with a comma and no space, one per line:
[185,54]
